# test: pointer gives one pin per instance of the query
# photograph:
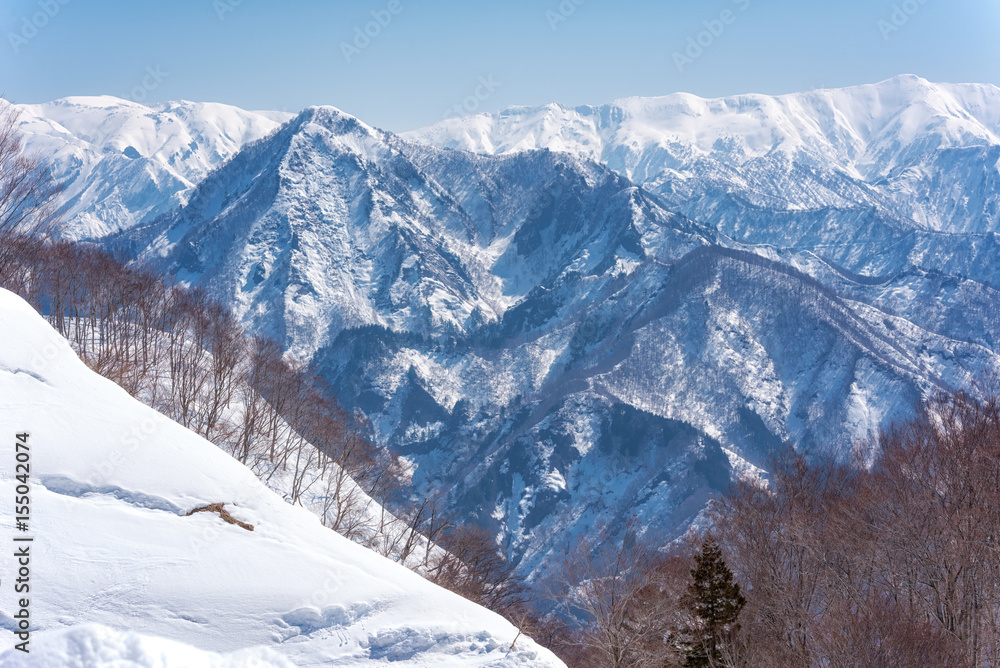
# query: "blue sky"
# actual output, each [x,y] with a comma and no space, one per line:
[421,58]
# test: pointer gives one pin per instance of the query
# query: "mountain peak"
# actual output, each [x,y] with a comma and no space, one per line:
[335,119]
[100,101]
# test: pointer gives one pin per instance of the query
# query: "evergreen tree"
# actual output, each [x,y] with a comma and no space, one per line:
[714,600]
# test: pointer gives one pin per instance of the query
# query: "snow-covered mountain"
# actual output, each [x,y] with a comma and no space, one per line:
[914,150]
[112,484]
[551,344]
[332,225]
[124,163]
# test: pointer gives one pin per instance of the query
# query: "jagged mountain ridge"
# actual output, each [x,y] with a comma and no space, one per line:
[357,227]
[546,341]
[888,182]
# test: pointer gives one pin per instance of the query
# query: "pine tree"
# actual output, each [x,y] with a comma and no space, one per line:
[714,600]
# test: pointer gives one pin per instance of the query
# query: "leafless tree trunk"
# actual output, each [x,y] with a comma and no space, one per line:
[609,582]
[27,190]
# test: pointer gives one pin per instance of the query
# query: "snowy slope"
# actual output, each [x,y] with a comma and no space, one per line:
[95,646]
[111,483]
[123,163]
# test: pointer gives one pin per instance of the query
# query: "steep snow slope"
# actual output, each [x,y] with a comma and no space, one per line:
[923,152]
[111,483]
[124,163]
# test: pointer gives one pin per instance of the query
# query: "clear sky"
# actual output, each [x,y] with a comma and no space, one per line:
[421,58]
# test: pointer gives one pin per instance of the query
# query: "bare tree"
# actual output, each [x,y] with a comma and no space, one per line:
[894,565]
[609,583]
[471,565]
[226,342]
[188,356]
[26,189]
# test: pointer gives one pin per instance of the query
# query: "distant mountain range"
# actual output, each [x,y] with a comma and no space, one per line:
[906,148]
[124,163]
[564,317]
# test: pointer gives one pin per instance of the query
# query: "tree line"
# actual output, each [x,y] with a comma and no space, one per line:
[186,355]
[891,559]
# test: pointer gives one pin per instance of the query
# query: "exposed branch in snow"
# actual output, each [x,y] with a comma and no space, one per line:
[220,510]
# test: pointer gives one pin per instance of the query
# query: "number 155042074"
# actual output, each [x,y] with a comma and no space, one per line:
[22,472]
